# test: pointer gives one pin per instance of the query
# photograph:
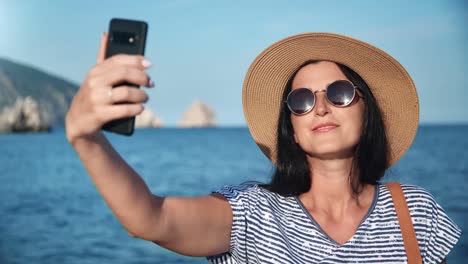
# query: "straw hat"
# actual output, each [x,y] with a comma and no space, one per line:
[389,82]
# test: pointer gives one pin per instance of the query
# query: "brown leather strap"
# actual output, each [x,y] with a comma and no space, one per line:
[406,225]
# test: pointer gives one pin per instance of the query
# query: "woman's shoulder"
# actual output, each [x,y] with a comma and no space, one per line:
[246,195]
[252,196]
[436,232]
[417,194]
[244,190]
[414,194]
[422,204]
[248,189]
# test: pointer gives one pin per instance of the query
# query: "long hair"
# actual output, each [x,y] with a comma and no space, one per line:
[291,176]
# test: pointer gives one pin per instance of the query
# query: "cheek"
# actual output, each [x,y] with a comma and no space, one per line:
[297,127]
[356,124]
[295,138]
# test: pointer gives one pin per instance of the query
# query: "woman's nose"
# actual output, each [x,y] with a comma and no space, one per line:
[322,107]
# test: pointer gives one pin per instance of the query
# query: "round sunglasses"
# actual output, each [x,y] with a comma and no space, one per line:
[339,93]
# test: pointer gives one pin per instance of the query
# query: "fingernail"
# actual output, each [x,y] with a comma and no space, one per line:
[150,83]
[146,63]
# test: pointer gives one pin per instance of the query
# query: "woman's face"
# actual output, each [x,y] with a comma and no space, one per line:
[338,139]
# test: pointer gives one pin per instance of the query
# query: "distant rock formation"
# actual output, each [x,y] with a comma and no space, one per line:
[49,97]
[147,119]
[25,115]
[198,115]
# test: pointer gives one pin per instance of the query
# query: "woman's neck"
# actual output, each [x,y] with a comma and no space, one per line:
[331,187]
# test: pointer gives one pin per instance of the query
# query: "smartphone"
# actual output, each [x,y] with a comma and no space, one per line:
[125,37]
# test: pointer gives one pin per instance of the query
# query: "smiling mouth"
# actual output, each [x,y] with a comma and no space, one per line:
[324,129]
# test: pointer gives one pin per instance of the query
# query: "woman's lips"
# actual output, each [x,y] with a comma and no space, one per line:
[325,127]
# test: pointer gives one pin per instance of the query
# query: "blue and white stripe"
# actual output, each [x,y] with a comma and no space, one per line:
[269,228]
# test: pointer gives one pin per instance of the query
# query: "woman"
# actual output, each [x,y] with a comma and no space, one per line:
[331,112]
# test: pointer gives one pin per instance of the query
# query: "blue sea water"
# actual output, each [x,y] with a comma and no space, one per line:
[50,211]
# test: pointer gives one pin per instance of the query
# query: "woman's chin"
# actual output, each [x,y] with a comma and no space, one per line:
[331,154]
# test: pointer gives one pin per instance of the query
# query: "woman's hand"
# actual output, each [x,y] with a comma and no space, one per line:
[95,102]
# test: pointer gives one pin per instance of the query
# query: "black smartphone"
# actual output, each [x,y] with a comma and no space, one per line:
[125,37]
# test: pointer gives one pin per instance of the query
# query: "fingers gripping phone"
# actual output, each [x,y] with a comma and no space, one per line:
[125,37]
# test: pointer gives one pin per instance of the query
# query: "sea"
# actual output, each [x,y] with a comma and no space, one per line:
[50,211]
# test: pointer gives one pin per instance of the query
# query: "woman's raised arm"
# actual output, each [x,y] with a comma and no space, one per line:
[198,226]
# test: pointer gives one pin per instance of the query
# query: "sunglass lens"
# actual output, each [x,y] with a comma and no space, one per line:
[340,93]
[301,100]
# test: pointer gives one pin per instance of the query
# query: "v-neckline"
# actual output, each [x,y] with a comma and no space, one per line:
[369,211]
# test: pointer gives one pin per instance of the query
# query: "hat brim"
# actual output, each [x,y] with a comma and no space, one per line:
[389,82]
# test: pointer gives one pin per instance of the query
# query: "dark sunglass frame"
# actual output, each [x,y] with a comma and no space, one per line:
[326,96]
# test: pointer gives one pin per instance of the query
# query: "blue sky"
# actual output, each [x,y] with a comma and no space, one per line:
[202,49]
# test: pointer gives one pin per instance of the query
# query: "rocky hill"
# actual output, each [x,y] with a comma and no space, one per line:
[147,119]
[49,94]
[198,115]
[33,100]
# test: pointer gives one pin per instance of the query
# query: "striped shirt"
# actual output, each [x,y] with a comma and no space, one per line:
[270,228]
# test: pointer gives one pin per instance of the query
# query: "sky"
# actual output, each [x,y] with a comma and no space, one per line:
[201,49]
